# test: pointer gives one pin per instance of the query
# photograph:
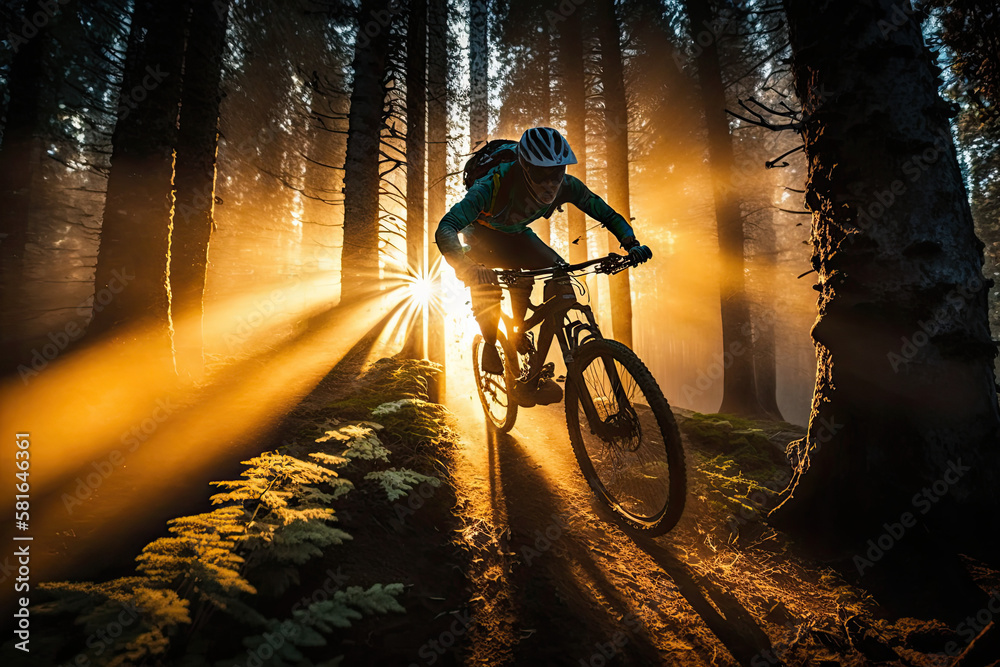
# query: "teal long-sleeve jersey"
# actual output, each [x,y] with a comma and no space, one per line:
[482,204]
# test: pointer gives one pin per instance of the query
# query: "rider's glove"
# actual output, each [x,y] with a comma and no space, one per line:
[477,274]
[636,253]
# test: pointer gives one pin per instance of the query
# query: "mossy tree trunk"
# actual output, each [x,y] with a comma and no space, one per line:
[905,398]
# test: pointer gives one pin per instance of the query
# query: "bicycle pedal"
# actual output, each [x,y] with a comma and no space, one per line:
[526,343]
[548,371]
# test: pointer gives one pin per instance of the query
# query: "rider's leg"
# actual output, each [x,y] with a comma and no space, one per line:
[497,249]
[486,308]
[520,294]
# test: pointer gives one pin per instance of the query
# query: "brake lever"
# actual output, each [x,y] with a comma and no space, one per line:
[615,263]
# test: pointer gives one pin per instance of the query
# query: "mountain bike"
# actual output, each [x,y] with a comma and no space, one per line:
[620,425]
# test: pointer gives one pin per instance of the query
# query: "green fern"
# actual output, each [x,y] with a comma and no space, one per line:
[361,441]
[287,514]
[398,483]
[148,617]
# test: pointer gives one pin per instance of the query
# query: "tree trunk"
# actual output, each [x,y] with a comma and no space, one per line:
[575,95]
[764,318]
[20,160]
[616,134]
[437,166]
[738,387]
[361,171]
[905,401]
[197,147]
[479,101]
[416,139]
[543,226]
[130,281]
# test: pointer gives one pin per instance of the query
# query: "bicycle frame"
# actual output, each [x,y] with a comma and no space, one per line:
[570,335]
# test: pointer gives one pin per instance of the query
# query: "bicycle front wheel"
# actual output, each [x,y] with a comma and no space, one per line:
[495,390]
[625,437]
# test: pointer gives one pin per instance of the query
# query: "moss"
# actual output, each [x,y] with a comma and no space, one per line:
[744,440]
[740,468]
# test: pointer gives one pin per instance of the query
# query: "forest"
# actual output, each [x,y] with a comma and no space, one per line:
[245,413]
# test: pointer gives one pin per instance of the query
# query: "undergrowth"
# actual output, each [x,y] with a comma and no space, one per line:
[740,469]
[206,593]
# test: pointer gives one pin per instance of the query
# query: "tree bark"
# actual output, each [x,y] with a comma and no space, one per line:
[738,386]
[437,167]
[616,134]
[416,141]
[543,226]
[764,318]
[360,268]
[575,95]
[197,148]
[479,104]
[130,281]
[905,398]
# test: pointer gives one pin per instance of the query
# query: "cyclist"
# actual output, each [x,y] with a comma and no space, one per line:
[493,219]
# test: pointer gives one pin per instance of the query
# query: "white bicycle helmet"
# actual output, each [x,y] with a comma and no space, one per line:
[543,155]
[544,147]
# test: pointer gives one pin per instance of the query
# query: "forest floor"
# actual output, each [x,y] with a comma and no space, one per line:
[514,562]
[511,561]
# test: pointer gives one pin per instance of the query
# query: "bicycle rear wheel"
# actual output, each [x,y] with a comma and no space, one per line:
[629,449]
[495,390]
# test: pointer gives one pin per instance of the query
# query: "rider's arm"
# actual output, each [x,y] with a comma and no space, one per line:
[580,196]
[461,215]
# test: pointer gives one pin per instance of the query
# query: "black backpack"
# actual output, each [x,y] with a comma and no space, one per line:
[493,153]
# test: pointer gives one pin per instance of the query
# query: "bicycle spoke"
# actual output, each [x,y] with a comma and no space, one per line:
[493,389]
[627,451]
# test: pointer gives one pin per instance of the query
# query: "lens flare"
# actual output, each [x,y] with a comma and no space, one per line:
[421,290]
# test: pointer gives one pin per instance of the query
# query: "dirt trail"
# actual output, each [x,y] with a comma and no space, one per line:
[555,581]
[568,587]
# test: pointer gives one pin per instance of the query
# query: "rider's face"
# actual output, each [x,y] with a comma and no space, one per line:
[544,182]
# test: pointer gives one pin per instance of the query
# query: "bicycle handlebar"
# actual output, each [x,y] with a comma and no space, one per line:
[611,264]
